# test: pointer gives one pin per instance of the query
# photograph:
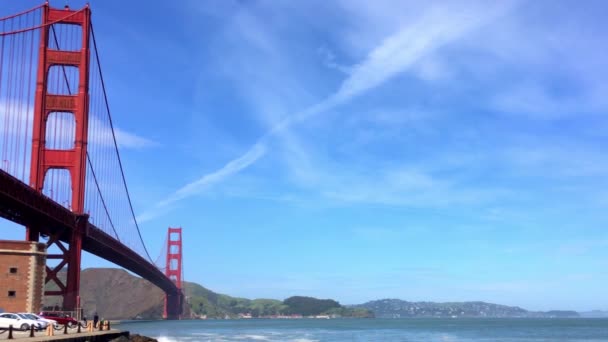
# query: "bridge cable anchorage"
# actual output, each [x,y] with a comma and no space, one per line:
[105,95]
[103,202]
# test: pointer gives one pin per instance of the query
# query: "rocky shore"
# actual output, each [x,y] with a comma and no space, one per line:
[134,338]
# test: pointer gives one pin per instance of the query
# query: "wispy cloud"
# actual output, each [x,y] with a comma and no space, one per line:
[535,100]
[329,60]
[255,152]
[401,50]
[411,188]
[530,65]
[395,54]
[101,132]
[132,141]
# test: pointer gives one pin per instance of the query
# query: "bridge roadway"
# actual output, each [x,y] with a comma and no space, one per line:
[23,205]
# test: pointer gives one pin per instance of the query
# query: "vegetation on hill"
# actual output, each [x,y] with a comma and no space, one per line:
[396,308]
[308,306]
[117,294]
[204,302]
[114,294]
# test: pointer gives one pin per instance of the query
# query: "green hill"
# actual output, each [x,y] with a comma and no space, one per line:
[396,308]
[205,302]
[117,294]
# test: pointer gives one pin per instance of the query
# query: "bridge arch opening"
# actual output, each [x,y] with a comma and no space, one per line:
[58,186]
[65,37]
[60,131]
[62,80]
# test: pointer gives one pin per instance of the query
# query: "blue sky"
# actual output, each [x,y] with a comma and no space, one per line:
[357,150]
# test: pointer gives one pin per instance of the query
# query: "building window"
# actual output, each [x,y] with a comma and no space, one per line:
[12,270]
[12,294]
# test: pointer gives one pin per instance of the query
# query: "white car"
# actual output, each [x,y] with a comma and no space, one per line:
[7,319]
[45,322]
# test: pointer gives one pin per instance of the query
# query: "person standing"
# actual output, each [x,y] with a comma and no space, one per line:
[95,320]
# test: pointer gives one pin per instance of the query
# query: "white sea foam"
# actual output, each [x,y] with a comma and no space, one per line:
[198,337]
[252,337]
[166,339]
[448,338]
[204,334]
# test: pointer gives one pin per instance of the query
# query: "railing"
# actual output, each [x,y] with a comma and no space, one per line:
[57,329]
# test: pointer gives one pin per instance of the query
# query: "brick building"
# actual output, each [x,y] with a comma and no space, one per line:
[22,273]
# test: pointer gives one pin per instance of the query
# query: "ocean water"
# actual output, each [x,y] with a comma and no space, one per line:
[333,330]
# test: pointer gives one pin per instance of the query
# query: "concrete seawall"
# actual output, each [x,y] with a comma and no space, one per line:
[97,336]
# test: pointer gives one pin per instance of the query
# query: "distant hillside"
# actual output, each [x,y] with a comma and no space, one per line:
[594,314]
[114,294]
[117,294]
[204,302]
[396,308]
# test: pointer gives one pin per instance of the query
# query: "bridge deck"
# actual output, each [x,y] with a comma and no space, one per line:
[22,204]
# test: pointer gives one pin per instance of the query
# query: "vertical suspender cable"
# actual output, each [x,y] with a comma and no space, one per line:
[115,144]
[29,95]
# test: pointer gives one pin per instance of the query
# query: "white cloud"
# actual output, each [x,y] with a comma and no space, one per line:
[410,188]
[234,166]
[533,100]
[101,136]
[399,51]
[541,63]
[100,132]
[548,159]
[431,69]
[395,54]
[329,60]
[132,141]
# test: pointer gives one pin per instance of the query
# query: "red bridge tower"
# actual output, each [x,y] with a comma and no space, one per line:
[72,159]
[174,271]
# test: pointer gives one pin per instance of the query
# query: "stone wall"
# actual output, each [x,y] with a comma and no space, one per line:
[22,273]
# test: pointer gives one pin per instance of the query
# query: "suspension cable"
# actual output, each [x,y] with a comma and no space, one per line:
[124,181]
[21,13]
[103,202]
[40,26]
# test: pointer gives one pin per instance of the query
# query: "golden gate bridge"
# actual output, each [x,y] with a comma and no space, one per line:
[61,176]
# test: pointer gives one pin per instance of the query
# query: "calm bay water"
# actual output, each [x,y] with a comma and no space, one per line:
[441,330]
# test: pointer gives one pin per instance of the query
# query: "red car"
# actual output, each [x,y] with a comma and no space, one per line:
[60,317]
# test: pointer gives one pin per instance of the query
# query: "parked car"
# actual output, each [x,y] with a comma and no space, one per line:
[45,322]
[18,322]
[60,317]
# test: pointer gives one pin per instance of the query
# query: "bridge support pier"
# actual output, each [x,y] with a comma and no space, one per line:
[173,305]
[71,298]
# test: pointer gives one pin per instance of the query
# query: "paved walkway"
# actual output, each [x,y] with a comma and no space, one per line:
[24,336]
